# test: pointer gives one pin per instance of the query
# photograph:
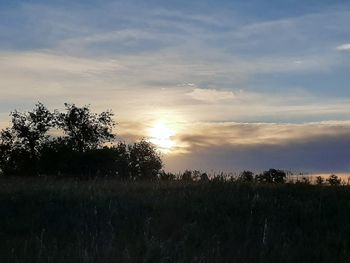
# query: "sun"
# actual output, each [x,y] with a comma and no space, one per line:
[162,136]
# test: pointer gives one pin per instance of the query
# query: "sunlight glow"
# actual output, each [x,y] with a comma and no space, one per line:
[161,135]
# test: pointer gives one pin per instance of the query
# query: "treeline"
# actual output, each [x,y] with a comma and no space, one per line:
[75,142]
[271,176]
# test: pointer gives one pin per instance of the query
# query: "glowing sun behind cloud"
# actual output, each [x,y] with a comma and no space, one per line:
[161,135]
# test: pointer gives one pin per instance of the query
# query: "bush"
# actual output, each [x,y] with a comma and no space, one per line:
[246,177]
[319,180]
[164,176]
[303,180]
[334,180]
[272,176]
[187,176]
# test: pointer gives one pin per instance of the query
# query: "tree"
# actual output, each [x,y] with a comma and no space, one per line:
[27,148]
[20,145]
[85,130]
[145,162]
[29,129]
[7,146]
[272,176]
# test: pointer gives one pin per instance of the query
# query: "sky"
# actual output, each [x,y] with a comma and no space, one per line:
[218,85]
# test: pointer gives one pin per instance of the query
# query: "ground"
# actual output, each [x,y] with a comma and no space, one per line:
[64,220]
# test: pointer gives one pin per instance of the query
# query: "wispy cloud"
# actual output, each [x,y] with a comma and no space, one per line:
[343,47]
[142,85]
[211,95]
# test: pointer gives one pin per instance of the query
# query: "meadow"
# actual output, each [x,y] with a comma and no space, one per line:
[53,220]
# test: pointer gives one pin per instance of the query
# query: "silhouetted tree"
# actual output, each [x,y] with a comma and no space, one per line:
[85,130]
[272,176]
[21,144]
[12,156]
[145,162]
[30,128]
[26,147]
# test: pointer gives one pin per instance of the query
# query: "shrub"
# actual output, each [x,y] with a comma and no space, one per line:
[164,176]
[334,180]
[319,180]
[272,176]
[303,180]
[204,177]
[246,177]
[187,176]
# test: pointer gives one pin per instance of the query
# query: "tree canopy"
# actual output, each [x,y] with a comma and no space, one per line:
[29,146]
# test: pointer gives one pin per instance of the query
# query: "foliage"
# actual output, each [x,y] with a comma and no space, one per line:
[246,177]
[303,180]
[85,130]
[204,177]
[21,144]
[187,176]
[319,180]
[334,180]
[272,176]
[145,163]
[166,176]
[29,129]
[27,148]
[195,175]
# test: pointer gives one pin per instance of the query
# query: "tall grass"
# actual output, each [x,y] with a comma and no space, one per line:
[51,220]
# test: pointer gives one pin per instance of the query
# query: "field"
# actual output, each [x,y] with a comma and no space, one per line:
[52,220]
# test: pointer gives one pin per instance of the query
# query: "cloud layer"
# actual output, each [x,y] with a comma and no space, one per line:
[237,146]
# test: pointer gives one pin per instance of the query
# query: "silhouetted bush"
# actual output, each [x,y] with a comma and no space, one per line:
[319,180]
[187,176]
[303,180]
[219,178]
[204,177]
[334,180]
[166,176]
[272,176]
[246,177]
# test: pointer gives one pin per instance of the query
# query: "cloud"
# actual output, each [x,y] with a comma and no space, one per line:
[228,133]
[343,47]
[147,87]
[322,146]
[211,95]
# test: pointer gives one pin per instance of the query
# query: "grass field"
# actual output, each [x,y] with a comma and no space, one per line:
[50,220]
